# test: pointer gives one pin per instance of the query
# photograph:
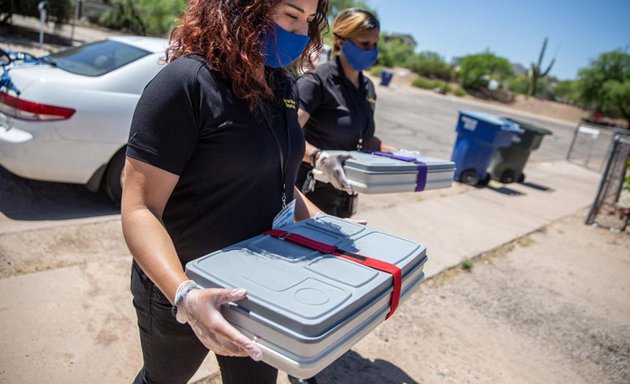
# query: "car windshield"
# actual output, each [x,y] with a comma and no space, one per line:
[97,58]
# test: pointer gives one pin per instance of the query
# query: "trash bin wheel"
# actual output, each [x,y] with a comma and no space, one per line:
[508,176]
[469,177]
[485,181]
[521,178]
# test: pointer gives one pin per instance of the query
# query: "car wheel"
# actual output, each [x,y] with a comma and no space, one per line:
[469,177]
[521,178]
[112,182]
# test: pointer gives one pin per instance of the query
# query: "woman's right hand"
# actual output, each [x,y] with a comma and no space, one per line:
[331,165]
[200,308]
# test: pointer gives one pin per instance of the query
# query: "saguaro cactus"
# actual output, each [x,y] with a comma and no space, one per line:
[535,71]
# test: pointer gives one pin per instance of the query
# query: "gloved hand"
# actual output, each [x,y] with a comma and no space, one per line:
[331,165]
[200,308]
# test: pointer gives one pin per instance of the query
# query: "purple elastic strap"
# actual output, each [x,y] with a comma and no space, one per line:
[421,180]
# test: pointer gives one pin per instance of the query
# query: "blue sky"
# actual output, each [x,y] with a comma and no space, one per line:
[578,30]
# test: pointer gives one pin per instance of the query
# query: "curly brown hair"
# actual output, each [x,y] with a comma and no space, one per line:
[227,33]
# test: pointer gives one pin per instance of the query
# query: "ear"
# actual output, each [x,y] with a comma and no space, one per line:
[338,41]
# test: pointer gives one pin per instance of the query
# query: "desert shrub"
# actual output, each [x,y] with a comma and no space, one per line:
[459,92]
[429,64]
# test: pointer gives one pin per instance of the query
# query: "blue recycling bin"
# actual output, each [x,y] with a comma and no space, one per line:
[386,77]
[478,137]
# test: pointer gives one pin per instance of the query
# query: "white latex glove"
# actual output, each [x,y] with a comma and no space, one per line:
[331,165]
[200,308]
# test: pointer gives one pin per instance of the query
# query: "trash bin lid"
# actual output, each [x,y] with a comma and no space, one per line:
[491,119]
[527,126]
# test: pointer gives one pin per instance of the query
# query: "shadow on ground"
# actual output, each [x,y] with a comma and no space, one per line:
[505,190]
[23,199]
[352,368]
[29,37]
[538,187]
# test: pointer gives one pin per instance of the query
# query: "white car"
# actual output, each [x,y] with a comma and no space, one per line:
[67,118]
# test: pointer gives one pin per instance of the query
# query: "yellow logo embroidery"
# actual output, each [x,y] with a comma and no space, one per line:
[290,103]
[372,102]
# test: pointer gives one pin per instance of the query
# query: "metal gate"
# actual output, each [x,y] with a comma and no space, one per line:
[611,208]
[592,144]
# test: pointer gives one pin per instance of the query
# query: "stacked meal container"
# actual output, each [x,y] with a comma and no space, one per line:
[304,307]
[384,172]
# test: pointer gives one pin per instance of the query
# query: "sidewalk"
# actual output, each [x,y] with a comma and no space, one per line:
[71,325]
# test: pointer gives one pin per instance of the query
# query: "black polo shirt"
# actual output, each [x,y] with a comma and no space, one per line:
[188,122]
[341,113]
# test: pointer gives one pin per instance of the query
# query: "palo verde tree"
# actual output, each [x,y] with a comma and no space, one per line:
[604,86]
[536,72]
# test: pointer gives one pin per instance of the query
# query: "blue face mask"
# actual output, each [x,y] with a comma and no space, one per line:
[359,59]
[284,49]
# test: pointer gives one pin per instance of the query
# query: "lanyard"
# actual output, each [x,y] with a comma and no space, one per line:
[283,161]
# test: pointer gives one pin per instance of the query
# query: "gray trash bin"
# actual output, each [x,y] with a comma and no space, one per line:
[508,162]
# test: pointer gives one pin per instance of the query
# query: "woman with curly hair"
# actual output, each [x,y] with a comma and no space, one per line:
[212,158]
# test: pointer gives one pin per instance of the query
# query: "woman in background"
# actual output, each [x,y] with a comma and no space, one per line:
[336,111]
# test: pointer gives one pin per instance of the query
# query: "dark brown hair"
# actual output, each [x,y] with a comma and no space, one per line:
[228,34]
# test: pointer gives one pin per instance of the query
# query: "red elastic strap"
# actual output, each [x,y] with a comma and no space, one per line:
[351,256]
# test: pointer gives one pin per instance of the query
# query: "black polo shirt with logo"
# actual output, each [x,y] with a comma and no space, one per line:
[341,115]
[188,122]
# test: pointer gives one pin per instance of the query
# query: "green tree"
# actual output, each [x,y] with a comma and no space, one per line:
[476,70]
[518,84]
[605,85]
[123,16]
[430,64]
[159,15]
[566,91]
[394,53]
[152,17]
[334,6]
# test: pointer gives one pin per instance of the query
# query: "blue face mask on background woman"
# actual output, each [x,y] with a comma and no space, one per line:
[284,49]
[359,59]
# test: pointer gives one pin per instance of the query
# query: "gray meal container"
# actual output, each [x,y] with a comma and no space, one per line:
[306,308]
[372,174]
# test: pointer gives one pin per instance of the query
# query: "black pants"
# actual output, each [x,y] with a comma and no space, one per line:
[171,351]
[326,197]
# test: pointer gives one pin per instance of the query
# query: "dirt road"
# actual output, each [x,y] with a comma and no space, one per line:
[549,308]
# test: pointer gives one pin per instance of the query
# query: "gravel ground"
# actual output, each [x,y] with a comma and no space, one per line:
[551,307]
